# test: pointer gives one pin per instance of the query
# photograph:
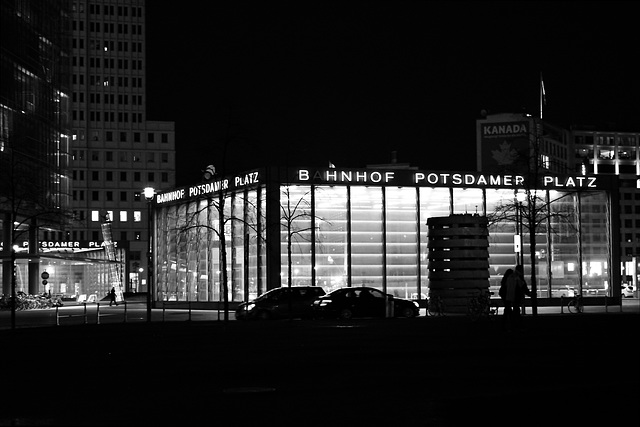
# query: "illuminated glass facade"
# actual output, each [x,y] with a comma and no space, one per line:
[34,132]
[75,268]
[351,228]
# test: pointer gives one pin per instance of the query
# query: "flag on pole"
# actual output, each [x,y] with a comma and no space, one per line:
[543,97]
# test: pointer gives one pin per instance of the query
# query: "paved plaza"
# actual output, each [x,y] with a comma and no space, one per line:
[427,371]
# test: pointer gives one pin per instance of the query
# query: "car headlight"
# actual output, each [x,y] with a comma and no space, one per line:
[416,304]
[324,302]
[249,306]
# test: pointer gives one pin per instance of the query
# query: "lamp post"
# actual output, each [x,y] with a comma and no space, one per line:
[14,248]
[521,197]
[149,192]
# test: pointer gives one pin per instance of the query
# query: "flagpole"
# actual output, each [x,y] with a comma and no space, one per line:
[541,94]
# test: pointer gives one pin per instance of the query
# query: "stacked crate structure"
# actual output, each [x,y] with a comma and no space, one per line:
[458,259]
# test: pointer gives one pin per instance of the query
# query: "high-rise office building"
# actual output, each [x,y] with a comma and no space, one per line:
[616,153]
[115,150]
[34,134]
[510,142]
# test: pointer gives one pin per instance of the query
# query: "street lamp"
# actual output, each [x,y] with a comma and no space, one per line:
[14,249]
[149,192]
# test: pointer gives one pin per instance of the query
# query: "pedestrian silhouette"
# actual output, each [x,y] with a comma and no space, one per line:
[513,289]
[112,296]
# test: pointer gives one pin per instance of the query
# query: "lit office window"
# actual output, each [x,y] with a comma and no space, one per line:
[137,216]
[95,216]
[545,161]
[123,216]
[606,154]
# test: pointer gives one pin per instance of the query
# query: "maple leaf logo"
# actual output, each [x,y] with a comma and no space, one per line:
[505,155]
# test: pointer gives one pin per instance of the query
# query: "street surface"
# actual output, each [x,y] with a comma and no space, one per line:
[94,313]
[428,371]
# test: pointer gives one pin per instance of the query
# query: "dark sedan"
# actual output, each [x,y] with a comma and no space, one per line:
[279,303]
[363,301]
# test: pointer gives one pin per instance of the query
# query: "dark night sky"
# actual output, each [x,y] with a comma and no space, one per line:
[305,83]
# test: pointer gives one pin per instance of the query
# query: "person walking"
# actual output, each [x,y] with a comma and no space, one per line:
[112,296]
[513,289]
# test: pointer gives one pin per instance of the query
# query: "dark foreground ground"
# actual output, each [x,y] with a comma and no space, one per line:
[560,370]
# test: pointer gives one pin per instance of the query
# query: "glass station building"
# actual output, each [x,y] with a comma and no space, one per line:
[352,227]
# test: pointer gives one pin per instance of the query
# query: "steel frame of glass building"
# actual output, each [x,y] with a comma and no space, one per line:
[34,131]
[350,227]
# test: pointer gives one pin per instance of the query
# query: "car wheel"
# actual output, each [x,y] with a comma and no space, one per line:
[264,315]
[407,312]
[346,314]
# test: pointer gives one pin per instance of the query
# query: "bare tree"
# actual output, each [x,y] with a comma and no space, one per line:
[231,133]
[295,214]
[530,208]
[534,213]
[222,192]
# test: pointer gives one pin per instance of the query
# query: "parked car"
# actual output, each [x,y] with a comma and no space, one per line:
[627,290]
[362,301]
[274,304]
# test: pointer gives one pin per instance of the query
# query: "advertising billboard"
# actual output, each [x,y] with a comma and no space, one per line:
[505,146]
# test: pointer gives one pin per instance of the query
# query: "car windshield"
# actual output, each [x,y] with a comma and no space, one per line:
[369,293]
[358,293]
[271,295]
[277,294]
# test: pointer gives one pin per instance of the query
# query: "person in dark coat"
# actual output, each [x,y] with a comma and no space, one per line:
[112,297]
[513,289]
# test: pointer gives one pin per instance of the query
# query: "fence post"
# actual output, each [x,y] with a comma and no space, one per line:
[85,313]
[189,311]
[163,309]
[561,304]
[98,312]
[57,318]
[125,311]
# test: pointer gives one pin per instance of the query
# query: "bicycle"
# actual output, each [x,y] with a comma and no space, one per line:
[480,305]
[494,308]
[575,304]
[435,306]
